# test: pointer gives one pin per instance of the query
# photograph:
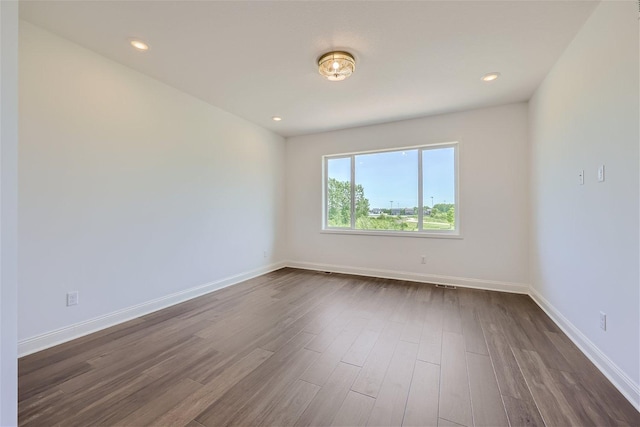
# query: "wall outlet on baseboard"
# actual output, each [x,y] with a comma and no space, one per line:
[264,254]
[603,321]
[73,298]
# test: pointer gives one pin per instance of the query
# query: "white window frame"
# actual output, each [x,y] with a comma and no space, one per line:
[455,234]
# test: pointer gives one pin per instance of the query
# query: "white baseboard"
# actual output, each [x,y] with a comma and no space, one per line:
[629,388]
[491,285]
[77,330]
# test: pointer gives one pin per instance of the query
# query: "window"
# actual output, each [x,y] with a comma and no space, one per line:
[411,191]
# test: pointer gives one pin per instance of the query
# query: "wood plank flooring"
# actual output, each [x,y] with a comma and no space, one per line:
[298,348]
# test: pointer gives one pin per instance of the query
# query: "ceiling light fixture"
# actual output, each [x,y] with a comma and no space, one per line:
[336,66]
[276,118]
[490,77]
[140,45]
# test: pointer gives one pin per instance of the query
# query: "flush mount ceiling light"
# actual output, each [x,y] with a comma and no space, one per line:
[276,118]
[139,45]
[336,66]
[490,77]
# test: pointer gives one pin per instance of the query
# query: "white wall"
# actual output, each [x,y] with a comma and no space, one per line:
[493,202]
[8,212]
[585,237]
[131,190]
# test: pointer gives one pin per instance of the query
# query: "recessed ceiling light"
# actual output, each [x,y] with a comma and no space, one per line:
[140,45]
[276,118]
[490,77]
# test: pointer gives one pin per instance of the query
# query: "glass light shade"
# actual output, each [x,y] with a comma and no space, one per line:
[336,66]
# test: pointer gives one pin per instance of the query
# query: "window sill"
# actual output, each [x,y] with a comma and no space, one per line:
[421,234]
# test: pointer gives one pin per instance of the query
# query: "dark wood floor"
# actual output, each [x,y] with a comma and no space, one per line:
[304,348]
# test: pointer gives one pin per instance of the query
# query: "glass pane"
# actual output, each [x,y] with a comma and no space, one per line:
[439,189]
[339,192]
[387,191]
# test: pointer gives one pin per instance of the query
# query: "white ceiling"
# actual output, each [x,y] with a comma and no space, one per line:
[258,59]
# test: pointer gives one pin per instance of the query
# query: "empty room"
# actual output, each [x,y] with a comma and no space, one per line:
[316,213]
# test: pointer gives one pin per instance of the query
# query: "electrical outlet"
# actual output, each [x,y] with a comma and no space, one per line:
[264,254]
[424,260]
[73,298]
[603,321]
[581,177]
[601,173]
